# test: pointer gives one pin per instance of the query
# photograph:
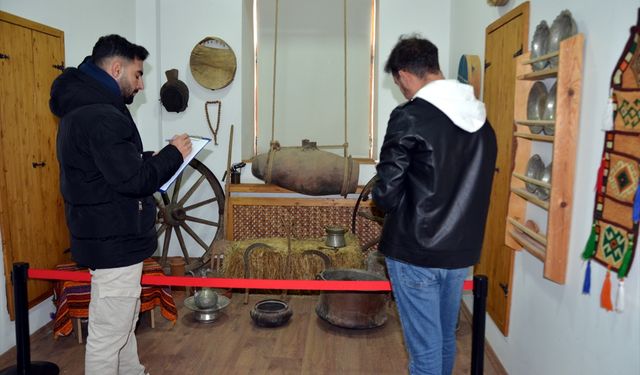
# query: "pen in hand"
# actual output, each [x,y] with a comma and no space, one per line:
[183,143]
[190,136]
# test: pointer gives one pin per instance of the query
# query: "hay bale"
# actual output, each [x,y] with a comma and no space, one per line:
[268,263]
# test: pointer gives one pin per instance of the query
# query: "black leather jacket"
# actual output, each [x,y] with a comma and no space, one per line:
[434,185]
[106,180]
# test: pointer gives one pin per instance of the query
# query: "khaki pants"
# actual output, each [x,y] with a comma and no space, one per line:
[113,312]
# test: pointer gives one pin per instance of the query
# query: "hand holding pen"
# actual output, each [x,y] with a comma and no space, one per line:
[183,143]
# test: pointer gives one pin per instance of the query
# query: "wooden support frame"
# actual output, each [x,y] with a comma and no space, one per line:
[554,252]
[259,210]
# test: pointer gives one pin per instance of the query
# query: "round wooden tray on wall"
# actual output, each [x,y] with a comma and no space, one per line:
[213,63]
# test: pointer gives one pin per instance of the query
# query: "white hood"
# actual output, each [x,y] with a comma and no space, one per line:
[457,101]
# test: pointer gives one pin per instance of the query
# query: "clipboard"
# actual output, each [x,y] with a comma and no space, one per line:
[197,144]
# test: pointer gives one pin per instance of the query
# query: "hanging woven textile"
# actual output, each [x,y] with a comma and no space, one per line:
[614,231]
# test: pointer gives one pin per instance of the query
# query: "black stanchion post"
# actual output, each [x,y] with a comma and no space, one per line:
[24,366]
[478,325]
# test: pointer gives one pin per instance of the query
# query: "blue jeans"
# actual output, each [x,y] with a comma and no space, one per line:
[428,301]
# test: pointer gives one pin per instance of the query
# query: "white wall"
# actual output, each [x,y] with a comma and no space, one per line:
[555,329]
[310,60]
[182,27]
[430,19]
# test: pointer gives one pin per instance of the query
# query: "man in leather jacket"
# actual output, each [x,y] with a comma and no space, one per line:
[435,174]
[107,182]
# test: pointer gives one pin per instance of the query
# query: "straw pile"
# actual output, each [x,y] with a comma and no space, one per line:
[272,263]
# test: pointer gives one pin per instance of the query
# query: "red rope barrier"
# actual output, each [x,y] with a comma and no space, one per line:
[364,286]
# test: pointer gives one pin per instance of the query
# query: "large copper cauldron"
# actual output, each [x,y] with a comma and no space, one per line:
[307,170]
[352,309]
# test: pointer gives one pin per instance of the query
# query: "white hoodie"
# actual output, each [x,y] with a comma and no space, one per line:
[457,101]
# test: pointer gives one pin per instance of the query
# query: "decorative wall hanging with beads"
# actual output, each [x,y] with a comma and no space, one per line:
[206,112]
[616,214]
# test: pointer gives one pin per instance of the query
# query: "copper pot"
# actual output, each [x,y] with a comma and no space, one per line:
[358,310]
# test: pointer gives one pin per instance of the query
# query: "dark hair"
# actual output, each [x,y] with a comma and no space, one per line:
[413,54]
[115,45]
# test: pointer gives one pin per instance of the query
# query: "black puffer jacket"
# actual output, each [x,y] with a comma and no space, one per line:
[435,179]
[106,180]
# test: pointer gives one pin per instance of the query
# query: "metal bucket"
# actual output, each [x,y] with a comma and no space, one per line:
[307,170]
[357,310]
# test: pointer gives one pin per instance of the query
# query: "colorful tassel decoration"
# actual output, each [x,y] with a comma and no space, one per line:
[590,248]
[598,186]
[620,296]
[626,260]
[609,113]
[586,285]
[605,295]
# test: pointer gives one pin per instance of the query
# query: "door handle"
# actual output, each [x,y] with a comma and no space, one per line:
[505,288]
[38,164]
[518,52]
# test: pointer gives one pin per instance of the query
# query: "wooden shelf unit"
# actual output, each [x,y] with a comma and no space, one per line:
[538,75]
[535,137]
[551,248]
[531,180]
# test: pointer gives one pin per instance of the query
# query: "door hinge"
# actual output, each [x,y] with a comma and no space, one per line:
[505,288]
[486,65]
[59,67]
[3,56]
[518,52]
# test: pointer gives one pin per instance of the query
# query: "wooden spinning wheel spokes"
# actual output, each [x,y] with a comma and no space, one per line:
[193,209]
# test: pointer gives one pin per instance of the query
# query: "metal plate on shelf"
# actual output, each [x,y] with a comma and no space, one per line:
[549,113]
[542,192]
[562,28]
[540,45]
[535,169]
[536,104]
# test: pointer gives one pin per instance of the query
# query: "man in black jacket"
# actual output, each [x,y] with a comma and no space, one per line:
[435,174]
[107,182]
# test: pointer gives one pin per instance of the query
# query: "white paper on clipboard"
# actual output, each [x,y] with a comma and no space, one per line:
[197,144]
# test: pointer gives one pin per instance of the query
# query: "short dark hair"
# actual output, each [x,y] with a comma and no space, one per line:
[115,45]
[413,54]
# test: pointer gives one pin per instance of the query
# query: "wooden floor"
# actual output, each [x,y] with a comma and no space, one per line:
[233,345]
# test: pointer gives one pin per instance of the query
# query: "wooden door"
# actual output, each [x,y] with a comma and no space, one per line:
[31,208]
[505,39]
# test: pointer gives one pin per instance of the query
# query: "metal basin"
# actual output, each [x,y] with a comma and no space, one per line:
[357,310]
[271,313]
[207,315]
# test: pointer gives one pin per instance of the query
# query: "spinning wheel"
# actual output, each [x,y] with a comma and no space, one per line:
[195,205]
[369,212]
